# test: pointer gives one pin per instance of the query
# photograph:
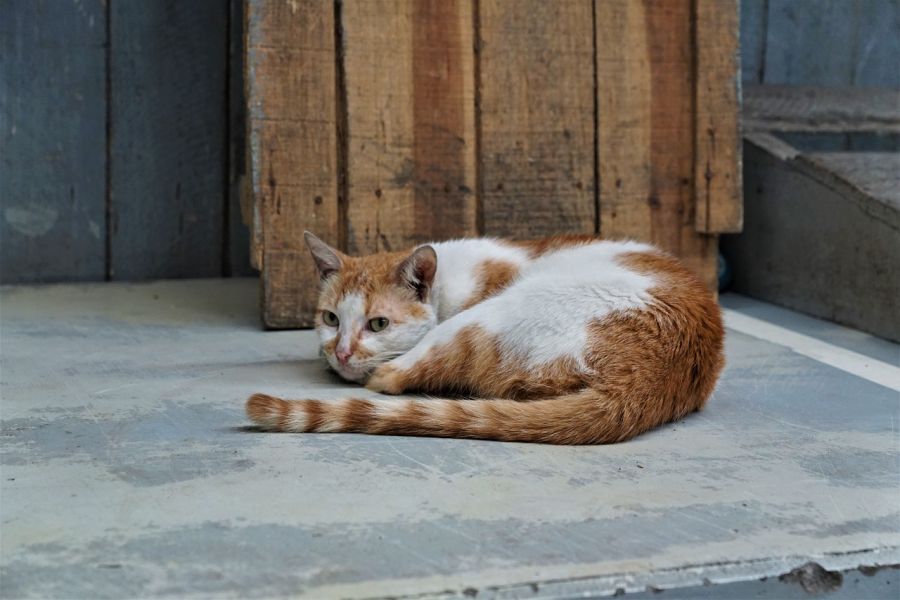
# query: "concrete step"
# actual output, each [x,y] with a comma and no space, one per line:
[822,227]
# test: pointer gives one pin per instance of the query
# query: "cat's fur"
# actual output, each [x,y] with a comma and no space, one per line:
[568,340]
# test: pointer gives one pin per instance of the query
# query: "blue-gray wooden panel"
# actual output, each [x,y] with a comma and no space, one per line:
[811,43]
[753,39]
[238,232]
[821,42]
[52,140]
[878,52]
[168,137]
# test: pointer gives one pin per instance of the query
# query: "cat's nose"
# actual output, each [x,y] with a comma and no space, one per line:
[343,355]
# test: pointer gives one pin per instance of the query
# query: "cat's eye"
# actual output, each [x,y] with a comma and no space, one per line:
[330,318]
[378,324]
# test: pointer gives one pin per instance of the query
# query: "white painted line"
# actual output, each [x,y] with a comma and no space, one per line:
[851,362]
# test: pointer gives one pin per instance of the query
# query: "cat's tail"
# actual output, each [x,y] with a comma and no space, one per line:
[583,417]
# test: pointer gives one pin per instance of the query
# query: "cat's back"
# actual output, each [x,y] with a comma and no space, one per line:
[470,270]
[578,294]
[583,276]
[563,288]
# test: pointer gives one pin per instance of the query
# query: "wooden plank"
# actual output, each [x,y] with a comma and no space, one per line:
[811,43]
[827,42]
[410,122]
[444,119]
[819,109]
[717,145]
[52,141]
[168,143]
[537,122]
[877,47]
[754,24]
[238,233]
[624,124]
[673,120]
[648,188]
[290,79]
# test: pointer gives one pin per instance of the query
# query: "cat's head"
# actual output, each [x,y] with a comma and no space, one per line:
[372,308]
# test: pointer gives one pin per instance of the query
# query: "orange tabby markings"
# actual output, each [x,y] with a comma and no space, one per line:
[642,342]
[387,380]
[493,276]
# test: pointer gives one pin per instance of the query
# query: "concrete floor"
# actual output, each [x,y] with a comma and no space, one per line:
[127,470]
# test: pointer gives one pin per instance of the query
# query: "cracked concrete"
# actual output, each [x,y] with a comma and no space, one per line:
[127,470]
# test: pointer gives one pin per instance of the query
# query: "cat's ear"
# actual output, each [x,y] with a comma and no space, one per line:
[417,270]
[328,260]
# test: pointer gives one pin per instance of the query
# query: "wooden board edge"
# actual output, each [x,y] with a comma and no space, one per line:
[717,158]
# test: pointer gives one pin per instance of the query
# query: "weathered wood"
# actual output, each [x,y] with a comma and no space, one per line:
[410,122]
[842,142]
[291,81]
[821,42]
[814,109]
[877,48]
[717,145]
[830,42]
[671,200]
[168,144]
[390,124]
[444,153]
[537,123]
[238,235]
[648,185]
[754,25]
[811,43]
[251,214]
[624,100]
[52,141]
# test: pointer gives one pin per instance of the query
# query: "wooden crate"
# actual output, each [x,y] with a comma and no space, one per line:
[380,124]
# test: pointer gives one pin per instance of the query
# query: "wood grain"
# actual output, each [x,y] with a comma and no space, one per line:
[877,44]
[168,143]
[754,24]
[821,109]
[624,99]
[237,245]
[812,43]
[673,121]
[52,141]
[290,81]
[717,159]
[645,88]
[410,122]
[537,126]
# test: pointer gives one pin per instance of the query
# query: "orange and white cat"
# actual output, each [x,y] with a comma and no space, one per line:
[568,340]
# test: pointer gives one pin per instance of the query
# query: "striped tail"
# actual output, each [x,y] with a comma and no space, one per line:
[582,417]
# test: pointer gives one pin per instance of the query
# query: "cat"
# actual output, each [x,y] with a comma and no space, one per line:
[566,340]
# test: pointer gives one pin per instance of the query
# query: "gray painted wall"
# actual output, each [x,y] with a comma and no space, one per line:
[120,123]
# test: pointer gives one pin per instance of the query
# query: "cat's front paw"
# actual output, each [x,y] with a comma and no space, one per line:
[386,379]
